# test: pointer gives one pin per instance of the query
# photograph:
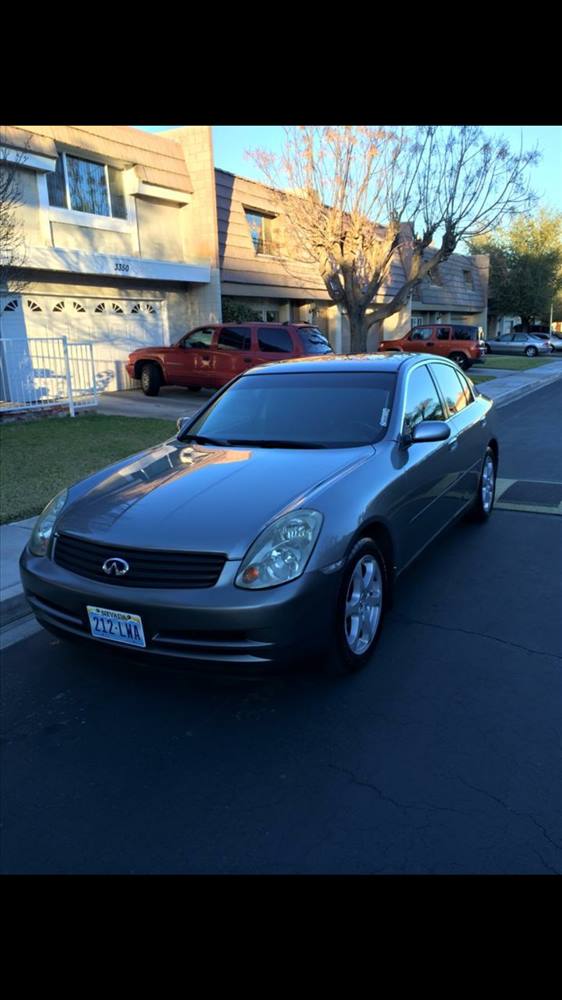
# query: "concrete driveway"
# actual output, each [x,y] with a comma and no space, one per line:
[170,403]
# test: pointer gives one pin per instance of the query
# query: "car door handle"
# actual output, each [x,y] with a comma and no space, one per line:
[430,344]
[248,360]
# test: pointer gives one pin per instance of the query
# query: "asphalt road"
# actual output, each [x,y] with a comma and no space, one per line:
[443,757]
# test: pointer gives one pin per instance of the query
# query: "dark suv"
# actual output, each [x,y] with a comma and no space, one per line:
[212,355]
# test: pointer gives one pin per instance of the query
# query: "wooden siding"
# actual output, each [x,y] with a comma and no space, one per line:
[162,161]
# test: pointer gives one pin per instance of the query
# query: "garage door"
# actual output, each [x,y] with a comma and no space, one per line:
[114,326]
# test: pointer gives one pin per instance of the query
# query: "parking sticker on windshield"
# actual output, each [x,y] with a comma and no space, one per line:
[384,416]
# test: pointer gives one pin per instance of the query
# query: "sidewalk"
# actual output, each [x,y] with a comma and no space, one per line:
[504,389]
[508,386]
[13,538]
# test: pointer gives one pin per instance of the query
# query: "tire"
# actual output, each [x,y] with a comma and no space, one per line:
[531,352]
[460,359]
[151,379]
[342,658]
[488,349]
[484,500]
[194,388]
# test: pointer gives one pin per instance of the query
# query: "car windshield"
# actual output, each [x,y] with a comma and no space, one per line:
[301,410]
[314,341]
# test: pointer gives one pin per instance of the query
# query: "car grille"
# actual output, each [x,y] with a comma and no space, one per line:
[147,567]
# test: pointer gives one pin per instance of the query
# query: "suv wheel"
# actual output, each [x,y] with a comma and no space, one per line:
[484,500]
[531,352]
[460,359]
[194,388]
[151,379]
[360,609]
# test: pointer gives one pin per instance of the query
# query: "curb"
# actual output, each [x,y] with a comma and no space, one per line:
[525,390]
[14,606]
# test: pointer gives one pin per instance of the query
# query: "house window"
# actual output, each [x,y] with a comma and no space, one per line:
[468,279]
[261,231]
[85,186]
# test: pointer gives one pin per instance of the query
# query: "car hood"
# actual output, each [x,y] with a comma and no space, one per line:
[200,498]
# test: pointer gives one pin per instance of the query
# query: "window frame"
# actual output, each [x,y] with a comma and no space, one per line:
[67,207]
[415,368]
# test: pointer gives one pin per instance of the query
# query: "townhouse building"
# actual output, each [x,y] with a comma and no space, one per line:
[134,238]
[120,237]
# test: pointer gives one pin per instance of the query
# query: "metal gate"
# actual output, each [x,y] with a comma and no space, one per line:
[39,373]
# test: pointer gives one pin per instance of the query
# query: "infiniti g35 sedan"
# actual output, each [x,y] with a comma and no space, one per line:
[273,526]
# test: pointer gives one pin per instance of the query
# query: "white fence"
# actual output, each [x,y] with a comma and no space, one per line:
[37,373]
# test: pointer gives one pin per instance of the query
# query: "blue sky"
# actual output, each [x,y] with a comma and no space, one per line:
[231,142]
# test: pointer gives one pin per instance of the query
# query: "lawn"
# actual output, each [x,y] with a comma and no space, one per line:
[481,378]
[39,458]
[515,362]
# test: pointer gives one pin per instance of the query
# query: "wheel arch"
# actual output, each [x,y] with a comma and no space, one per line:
[148,361]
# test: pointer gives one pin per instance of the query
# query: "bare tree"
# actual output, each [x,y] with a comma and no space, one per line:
[356,200]
[12,238]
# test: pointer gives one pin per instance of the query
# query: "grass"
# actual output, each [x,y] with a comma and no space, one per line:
[516,363]
[481,378]
[39,458]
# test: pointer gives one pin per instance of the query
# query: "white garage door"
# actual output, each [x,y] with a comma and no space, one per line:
[114,326]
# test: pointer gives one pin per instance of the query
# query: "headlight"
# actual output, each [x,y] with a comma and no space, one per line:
[281,552]
[43,530]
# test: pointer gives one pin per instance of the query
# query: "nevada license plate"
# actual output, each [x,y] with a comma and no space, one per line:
[117,626]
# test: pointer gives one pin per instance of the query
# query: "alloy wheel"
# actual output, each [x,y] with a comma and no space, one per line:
[363,605]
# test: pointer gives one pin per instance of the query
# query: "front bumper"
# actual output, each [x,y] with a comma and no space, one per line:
[220,625]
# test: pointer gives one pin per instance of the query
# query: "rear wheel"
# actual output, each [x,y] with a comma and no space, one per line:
[531,352]
[151,379]
[484,500]
[194,388]
[460,359]
[359,612]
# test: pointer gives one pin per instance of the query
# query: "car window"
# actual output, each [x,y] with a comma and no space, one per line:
[235,339]
[422,399]
[199,338]
[465,332]
[450,386]
[274,340]
[520,338]
[442,333]
[314,341]
[422,333]
[466,388]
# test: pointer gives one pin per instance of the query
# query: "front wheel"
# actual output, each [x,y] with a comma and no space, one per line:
[359,611]
[460,359]
[150,379]
[484,500]
[194,388]
[531,352]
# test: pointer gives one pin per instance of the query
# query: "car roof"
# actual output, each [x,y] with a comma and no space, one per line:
[390,361]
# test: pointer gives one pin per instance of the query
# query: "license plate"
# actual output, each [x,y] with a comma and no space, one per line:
[117,626]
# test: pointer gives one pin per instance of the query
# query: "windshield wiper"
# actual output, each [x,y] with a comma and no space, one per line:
[201,439]
[277,443]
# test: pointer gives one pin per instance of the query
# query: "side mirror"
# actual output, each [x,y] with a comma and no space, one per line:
[428,430]
[182,421]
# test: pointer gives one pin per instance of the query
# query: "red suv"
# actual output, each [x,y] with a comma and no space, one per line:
[211,356]
[463,344]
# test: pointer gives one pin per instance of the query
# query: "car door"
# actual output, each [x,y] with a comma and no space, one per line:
[189,361]
[419,496]
[232,352]
[467,434]
[418,339]
[520,342]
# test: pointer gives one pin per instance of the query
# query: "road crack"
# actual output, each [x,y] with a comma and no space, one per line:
[480,635]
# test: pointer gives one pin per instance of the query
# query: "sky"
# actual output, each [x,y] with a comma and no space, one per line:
[232,141]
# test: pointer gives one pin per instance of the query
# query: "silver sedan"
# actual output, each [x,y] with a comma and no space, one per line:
[518,343]
[274,525]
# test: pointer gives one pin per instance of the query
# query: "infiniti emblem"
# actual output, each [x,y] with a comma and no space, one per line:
[115,567]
